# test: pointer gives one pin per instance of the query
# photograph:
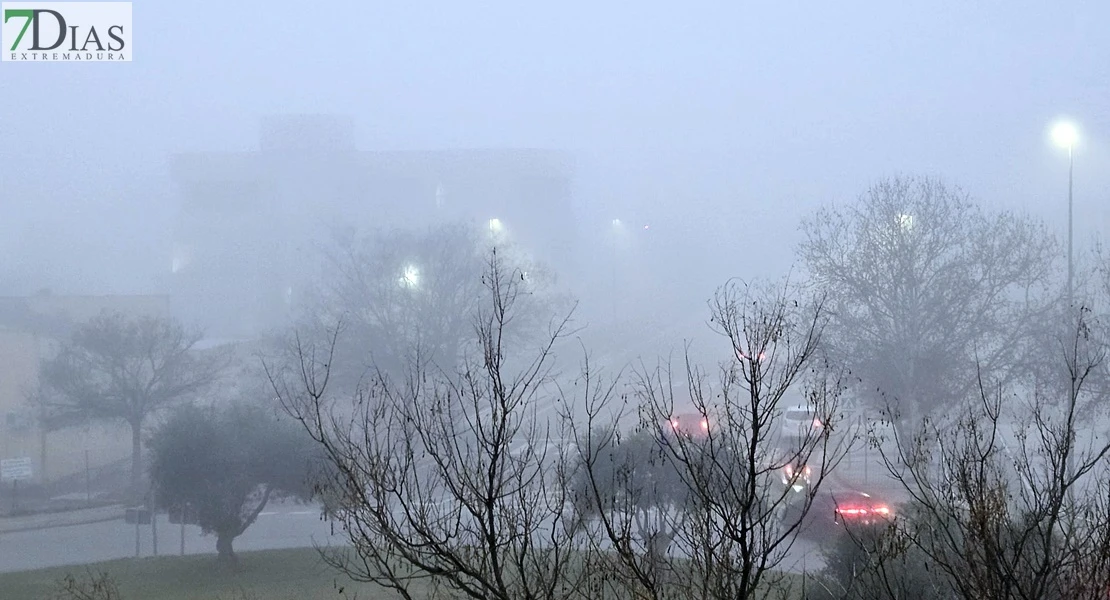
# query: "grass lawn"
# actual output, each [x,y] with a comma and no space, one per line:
[272,574]
[267,575]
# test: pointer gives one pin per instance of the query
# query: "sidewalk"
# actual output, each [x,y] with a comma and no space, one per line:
[61,519]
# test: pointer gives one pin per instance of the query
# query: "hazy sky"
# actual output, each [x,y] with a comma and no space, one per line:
[730,119]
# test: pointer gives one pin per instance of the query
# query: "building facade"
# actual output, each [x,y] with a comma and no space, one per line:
[252,224]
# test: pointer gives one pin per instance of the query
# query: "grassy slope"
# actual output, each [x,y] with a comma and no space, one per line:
[273,574]
[268,575]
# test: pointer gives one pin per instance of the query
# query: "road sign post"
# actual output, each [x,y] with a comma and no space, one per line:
[14,470]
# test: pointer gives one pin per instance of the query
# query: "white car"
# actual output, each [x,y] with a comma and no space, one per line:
[800,421]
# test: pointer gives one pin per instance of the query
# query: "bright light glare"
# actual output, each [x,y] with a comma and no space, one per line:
[495,225]
[1065,134]
[411,277]
[616,222]
[905,221]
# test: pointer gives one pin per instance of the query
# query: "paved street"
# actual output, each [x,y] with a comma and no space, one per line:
[292,525]
[280,526]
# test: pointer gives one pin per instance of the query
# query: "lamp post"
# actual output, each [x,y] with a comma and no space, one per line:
[1066,135]
[410,278]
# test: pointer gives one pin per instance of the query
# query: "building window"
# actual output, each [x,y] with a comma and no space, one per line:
[181,258]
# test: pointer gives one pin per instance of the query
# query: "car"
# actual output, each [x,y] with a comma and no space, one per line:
[859,508]
[793,466]
[797,475]
[830,512]
[694,425]
[800,422]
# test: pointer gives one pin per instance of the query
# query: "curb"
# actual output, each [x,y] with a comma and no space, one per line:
[60,523]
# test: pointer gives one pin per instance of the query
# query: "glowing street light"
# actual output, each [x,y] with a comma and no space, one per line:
[495,226]
[1065,134]
[411,277]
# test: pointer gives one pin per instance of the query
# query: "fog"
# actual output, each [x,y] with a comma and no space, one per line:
[696,137]
[724,121]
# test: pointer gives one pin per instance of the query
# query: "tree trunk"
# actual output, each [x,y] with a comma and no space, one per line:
[225,557]
[136,463]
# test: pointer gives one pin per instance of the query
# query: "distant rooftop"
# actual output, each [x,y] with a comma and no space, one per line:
[52,314]
[250,166]
[332,138]
[301,132]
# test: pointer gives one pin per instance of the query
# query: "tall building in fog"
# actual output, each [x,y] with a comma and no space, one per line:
[251,223]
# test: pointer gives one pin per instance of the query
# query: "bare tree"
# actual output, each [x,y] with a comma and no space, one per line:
[1098,299]
[118,368]
[925,288]
[628,497]
[404,292]
[1010,499]
[1102,273]
[735,501]
[446,476]
[50,414]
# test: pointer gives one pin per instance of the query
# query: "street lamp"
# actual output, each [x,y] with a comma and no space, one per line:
[1065,135]
[905,221]
[495,225]
[411,277]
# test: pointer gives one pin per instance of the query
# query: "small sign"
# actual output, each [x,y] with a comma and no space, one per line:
[14,469]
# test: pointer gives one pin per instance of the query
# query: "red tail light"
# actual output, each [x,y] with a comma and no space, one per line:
[858,511]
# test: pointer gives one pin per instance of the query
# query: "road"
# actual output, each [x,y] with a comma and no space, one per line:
[283,526]
[280,526]
[293,525]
